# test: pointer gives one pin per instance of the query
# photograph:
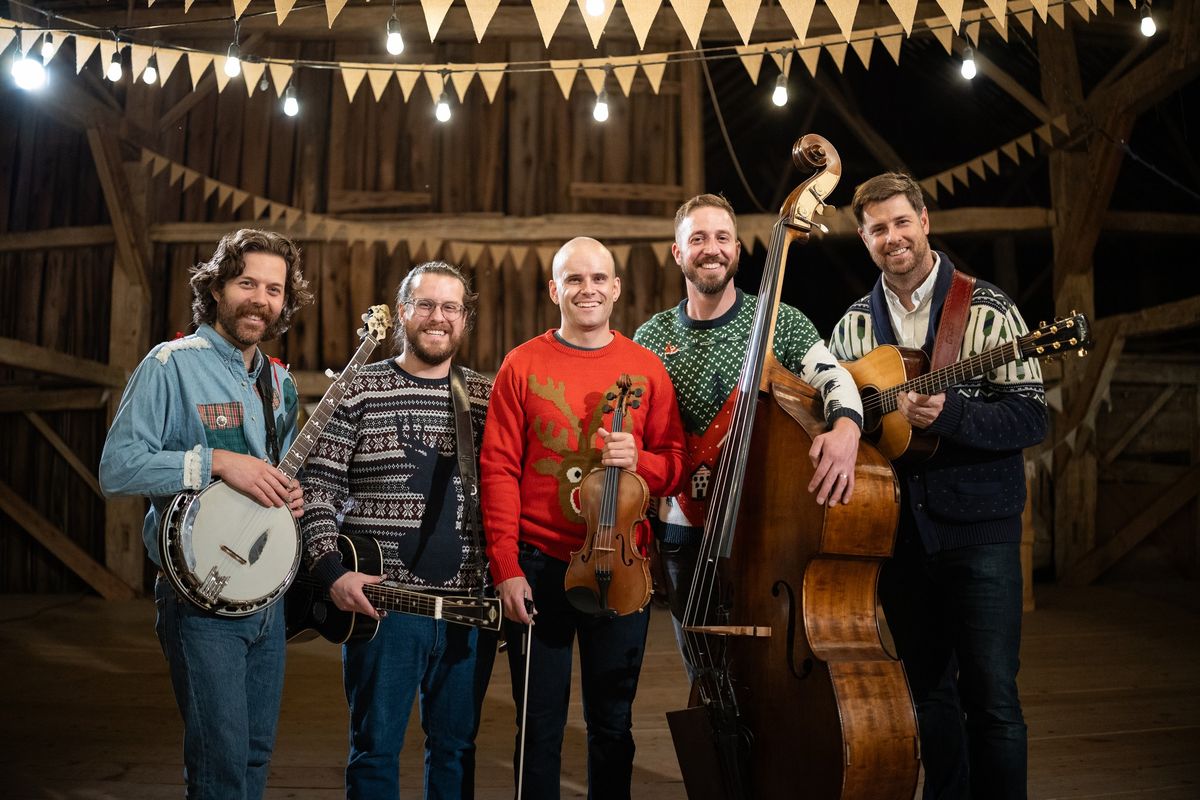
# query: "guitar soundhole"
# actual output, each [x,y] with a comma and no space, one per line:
[871,418]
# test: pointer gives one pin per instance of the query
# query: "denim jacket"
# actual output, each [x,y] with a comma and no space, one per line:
[188,397]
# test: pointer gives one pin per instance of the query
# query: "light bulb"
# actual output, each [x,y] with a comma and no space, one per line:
[48,47]
[442,112]
[594,8]
[968,65]
[233,60]
[29,73]
[395,42]
[1148,26]
[291,106]
[150,73]
[600,112]
[780,96]
[113,73]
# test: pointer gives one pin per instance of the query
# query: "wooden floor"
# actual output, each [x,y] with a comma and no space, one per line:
[1110,683]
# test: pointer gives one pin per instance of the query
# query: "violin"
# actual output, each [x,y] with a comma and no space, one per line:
[609,576]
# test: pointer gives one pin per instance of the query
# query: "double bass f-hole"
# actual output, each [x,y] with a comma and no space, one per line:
[608,576]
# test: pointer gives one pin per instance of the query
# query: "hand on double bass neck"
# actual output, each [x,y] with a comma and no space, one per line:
[620,450]
[921,410]
[833,454]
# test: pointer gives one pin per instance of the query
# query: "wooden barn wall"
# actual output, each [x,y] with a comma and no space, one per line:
[515,156]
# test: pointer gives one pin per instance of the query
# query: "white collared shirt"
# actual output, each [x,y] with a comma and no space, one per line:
[911,327]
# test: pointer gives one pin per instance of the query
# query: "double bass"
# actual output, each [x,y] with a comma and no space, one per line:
[795,693]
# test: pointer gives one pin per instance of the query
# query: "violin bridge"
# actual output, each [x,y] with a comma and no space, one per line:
[759,631]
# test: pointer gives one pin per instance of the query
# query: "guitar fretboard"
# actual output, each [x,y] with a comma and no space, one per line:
[307,438]
[392,599]
[941,379]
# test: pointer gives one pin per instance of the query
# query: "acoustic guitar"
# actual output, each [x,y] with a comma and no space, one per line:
[309,612]
[886,371]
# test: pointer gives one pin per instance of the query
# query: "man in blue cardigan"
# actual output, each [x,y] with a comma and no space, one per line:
[952,593]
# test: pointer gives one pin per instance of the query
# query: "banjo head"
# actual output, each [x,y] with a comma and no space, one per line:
[226,553]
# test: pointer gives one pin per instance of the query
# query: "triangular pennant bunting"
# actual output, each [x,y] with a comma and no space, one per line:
[252,73]
[435,14]
[490,76]
[654,73]
[838,52]
[641,14]
[280,75]
[752,58]
[691,17]
[799,14]
[862,49]
[239,8]
[481,13]
[548,14]
[379,79]
[352,78]
[625,69]
[197,63]
[892,45]
[167,59]
[843,14]
[743,14]
[595,25]
[564,73]
[953,11]
[332,9]
[906,12]
[282,9]
[84,47]
[461,78]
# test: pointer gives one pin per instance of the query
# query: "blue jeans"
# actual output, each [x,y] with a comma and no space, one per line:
[679,567]
[228,678]
[956,619]
[610,660]
[450,666]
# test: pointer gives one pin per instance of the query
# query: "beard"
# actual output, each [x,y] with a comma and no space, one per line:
[432,356]
[231,322]
[918,256]
[710,282]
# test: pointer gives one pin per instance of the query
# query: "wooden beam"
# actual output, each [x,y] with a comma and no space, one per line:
[1079,419]
[1155,222]
[352,200]
[1156,319]
[17,399]
[1143,419]
[990,70]
[24,355]
[614,227]
[63,547]
[1148,370]
[65,451]
[1101,558]
[627,191]
[129,225]
[54,238]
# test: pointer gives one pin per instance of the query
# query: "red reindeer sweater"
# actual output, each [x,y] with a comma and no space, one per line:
[540,441]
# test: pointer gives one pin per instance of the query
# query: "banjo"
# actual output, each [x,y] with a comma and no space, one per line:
[226,553]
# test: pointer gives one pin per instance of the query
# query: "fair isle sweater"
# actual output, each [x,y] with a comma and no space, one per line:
[541,441]
[386,467]
[973,489]
[704,359]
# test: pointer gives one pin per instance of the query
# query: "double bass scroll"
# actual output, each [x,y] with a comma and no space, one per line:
[795,693]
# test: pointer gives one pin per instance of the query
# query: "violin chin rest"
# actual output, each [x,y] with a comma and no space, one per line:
[586,601]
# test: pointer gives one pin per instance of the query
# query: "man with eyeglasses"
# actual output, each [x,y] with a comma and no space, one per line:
[386,467]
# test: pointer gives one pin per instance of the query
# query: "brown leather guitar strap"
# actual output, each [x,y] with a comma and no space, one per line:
[954,321]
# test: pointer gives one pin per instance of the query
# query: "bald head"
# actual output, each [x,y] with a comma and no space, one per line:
[584,287]
[582,250]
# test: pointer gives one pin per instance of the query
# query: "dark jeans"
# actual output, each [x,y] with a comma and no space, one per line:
[679,567]
[228,679]
[956,619]
[448,667]
[610,658]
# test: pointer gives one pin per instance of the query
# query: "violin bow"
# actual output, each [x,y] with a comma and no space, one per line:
[524,701]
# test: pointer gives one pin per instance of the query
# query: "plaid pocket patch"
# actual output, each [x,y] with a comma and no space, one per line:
[220,416]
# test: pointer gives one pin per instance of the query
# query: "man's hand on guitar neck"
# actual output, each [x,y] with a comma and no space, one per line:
[921,410]
[347,594]
[264,483]
[833,454]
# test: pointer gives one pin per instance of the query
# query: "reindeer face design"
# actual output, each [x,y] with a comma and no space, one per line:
[574,460]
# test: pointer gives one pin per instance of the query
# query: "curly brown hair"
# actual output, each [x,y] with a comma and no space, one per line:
[228,262]
[885,187]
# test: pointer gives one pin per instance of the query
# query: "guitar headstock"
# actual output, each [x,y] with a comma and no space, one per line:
[376,322]
[1063,335]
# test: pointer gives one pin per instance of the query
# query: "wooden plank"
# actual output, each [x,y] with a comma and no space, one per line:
[51,238]
[65,451]
[129,225]
[1133,430]
[72,555]
[1156,319]
[627,191]
[17,399]
[24,355]
[1098,560]
[558,228]
[357,200]
[1157,222]
[691,126]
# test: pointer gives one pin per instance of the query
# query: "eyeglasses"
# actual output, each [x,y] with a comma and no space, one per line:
[423,308]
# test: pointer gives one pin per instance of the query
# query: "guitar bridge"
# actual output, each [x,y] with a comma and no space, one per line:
[212,585]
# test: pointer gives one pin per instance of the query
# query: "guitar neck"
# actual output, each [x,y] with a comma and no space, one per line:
[388,598]
[307,438]
[957,373]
